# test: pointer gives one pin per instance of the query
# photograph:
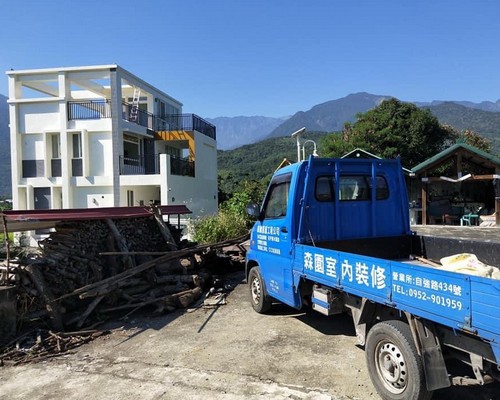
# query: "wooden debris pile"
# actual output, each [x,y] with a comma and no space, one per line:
[40,345]
[87,271]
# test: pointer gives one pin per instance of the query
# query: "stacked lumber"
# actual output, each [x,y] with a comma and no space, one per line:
[87,271]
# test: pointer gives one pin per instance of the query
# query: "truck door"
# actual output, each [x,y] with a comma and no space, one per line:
[273,236]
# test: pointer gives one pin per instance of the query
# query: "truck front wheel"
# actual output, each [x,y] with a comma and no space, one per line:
[393,362]
[258,296]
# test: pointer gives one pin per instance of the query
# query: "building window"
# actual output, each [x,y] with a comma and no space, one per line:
[55,162]
[76,162]
[173,151]
[33,168]
[77,145]
[56,146]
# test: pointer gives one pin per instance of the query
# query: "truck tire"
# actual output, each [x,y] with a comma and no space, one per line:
[258,296]
[393,362]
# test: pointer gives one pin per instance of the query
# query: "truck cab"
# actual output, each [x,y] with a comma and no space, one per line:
[320,201]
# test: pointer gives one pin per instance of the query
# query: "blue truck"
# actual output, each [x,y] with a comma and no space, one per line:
[334,235]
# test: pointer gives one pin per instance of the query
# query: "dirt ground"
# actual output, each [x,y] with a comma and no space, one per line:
[229,352]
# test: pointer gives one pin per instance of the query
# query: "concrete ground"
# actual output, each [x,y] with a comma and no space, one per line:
[226,353]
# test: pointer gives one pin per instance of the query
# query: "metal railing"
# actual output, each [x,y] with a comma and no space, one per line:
[150,165]
[89,109]
[181,166]
[142,118]
[140,165]
[97,109]
[185,122]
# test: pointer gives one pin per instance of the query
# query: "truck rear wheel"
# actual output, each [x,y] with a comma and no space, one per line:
[393,362]
[258,296]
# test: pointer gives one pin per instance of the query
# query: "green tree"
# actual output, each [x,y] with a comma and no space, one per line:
[248,192]
[393,129]
[475,139]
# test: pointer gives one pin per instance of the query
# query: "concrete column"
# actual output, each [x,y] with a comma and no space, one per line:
[66,143]
[15,143]
[116,131]
[164,174]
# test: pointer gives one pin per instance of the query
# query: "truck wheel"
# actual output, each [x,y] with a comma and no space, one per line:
[258,296]
[393,362]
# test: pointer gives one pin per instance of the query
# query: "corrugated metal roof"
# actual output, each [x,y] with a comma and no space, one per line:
[25,220]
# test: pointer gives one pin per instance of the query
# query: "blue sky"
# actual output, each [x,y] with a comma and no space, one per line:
[267,57]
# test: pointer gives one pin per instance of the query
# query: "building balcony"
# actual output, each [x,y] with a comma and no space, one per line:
[150,165]
[98,109]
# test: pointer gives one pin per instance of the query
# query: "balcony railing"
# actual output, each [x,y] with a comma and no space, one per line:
[181,166]
[140,165]
[89,109]
[97,109]
[185,122]
[142,118]
[150,165]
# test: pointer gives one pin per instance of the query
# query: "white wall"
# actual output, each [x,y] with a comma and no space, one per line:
[100,149]
[206,157]
[83,197]
[33,147]
[97,125]
[199,195]
[34,118]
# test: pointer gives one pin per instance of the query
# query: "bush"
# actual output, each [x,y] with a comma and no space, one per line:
[225,225]
[232,220]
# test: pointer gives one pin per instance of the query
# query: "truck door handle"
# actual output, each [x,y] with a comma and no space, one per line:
[284,229]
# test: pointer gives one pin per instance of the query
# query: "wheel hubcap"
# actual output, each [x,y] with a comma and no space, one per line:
[391,367]
[256,290]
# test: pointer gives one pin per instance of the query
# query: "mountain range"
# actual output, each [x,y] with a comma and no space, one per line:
[238,131]
[234,132]
[483,118]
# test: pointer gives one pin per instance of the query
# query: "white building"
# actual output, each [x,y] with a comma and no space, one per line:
[99,136]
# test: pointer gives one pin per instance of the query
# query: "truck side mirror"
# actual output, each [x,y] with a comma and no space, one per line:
[253,210]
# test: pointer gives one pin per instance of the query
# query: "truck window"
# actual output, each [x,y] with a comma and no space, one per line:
[382,189]
[324,188]
[359,188]
[277,198]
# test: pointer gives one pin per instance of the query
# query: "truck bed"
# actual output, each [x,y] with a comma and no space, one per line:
[427,246]
[382,271]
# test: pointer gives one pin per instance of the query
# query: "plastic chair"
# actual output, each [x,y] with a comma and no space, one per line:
[467,219]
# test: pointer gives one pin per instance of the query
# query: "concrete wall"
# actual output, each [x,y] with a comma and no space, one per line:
[32,147]
[37,117]
[99,149]
[93,196]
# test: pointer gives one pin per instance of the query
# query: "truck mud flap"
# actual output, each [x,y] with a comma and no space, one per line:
[436,373]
